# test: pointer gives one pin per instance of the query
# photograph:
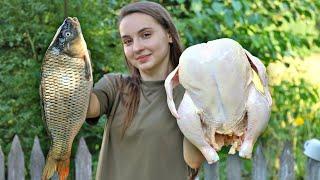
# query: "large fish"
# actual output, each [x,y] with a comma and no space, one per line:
[66,82]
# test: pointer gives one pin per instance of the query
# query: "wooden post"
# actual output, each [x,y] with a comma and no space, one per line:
[259,170]
[65,8]
[211,171]
[16,161]
[233,167]
[83,162]
[313,169]
[2,172]
[36,160]
[287,163]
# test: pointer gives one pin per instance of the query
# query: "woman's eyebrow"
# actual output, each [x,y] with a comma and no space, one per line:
[125,36]
[141,30]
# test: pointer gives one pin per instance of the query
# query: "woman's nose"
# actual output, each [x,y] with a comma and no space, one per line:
[137,46]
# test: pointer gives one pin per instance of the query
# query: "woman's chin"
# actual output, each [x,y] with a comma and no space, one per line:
[147,66]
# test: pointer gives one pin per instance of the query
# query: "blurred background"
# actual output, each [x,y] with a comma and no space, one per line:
[284,34]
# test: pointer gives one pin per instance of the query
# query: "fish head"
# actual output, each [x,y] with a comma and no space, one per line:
[69,39]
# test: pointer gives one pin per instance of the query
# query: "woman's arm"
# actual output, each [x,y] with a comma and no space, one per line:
[192,155]
[94,107]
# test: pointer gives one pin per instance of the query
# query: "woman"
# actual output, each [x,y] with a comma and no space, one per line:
[142,139]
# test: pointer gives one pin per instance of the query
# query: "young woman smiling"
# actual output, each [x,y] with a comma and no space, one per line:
[142,139]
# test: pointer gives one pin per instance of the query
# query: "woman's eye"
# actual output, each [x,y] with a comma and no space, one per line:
[146,35]
[126,41]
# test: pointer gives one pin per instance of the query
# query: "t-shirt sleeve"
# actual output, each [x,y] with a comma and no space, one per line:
[105,90]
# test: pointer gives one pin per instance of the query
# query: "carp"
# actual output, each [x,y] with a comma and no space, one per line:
[222,105]
[66,83]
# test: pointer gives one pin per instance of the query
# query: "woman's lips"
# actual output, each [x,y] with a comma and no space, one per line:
[143,58]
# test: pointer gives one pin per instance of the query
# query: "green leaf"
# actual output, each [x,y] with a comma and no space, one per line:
[196,5]
[218,7]
[228,19]
[236,5]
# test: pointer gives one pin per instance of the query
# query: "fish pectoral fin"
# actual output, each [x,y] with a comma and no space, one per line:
[88,70]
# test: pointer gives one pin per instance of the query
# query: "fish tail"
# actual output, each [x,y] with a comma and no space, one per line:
[63,169]
[49,168]
[53,165]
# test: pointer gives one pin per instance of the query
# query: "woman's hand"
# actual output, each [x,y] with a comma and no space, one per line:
[94,107]
[192,156]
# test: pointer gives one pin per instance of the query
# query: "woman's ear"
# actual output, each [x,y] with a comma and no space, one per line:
[169,37]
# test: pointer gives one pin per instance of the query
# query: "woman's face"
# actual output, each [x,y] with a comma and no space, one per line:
[145,43]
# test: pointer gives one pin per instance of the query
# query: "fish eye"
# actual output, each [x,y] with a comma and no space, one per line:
[67,34]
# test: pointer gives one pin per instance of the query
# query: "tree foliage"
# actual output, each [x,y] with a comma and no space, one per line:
[268,29]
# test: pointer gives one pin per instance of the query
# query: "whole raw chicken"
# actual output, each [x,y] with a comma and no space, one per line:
[222,105]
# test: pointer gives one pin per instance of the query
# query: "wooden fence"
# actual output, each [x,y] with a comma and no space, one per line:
[16,164]
[83,164]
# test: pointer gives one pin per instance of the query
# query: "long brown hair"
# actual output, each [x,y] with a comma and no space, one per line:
[131,85]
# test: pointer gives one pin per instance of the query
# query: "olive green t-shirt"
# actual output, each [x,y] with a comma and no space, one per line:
[152,147]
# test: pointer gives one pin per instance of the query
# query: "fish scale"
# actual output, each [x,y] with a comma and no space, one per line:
[62,115]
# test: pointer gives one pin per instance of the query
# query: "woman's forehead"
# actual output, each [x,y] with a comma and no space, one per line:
[135,22]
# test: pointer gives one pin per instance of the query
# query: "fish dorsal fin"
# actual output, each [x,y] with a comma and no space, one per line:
[171,82]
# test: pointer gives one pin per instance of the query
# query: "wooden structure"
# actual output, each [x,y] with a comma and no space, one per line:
[83,164]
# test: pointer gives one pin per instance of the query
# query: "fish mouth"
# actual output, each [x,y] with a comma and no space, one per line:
[72,20]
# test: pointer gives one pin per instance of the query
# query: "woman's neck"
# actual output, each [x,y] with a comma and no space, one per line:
[157,74]
[153,76]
